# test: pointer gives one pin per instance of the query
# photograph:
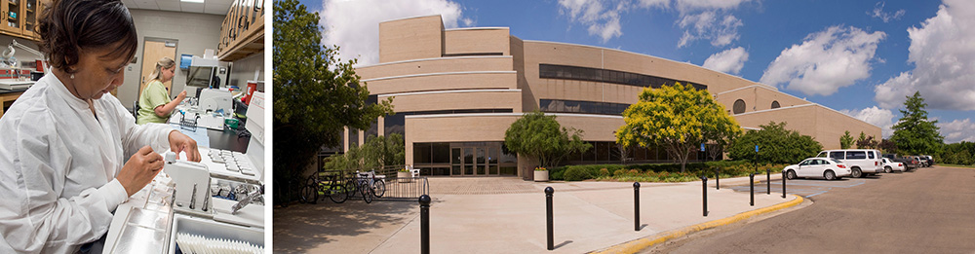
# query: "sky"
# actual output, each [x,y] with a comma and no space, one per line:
[862,58]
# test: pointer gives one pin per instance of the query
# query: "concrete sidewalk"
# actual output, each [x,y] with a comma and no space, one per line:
[588,216]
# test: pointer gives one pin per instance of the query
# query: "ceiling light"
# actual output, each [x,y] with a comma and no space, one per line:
[192,1]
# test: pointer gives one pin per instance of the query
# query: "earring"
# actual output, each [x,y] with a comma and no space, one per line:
[72,75]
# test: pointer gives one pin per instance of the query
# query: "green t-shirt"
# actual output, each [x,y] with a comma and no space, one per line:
[153,95]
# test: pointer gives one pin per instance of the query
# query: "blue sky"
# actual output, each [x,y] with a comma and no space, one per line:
[851,56]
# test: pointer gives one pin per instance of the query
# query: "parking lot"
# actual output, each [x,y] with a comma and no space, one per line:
[807,188]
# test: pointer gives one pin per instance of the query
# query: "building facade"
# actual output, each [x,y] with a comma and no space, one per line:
[456,92]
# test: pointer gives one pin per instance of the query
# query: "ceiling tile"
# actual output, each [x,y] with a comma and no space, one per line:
[169,6]
[191,7]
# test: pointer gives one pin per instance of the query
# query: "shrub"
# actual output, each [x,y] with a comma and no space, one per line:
[577,174]
[556,173]
[603,172]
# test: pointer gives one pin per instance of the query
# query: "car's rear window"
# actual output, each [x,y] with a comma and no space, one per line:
[870,155]
[837,155]
[856,155]
[836,161]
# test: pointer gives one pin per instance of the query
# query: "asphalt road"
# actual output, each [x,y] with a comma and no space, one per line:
[931,210]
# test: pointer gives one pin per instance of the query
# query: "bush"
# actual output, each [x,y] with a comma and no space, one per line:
[556,173]
[577,174]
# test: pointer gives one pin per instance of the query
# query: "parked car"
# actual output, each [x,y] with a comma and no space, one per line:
[928,160]
[826,168]
[862,162]
[891,166]
[911,163]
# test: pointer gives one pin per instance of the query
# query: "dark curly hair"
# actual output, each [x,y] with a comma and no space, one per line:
[67,26]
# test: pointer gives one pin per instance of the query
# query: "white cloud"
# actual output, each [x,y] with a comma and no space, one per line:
[882,118]
[943,53]
[601,21]
[706,25]
[354,25]
[728,61]
[958,131]
[692,5]
[878,12]
[700,19]
[826,61]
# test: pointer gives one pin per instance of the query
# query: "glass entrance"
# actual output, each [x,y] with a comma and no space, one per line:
[474,161]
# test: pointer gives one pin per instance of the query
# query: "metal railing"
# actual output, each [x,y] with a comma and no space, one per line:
[406,189]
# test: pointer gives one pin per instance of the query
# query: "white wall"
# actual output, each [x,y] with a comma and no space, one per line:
[243,70]
[194,32]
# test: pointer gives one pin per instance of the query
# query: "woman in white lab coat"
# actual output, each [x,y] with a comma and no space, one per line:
[69,151]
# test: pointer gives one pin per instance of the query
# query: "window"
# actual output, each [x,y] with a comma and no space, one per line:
[553,71]
[837,155]
[870,155]
[395,124]
[739,106]
[856,155]
[775,105]
[587,107]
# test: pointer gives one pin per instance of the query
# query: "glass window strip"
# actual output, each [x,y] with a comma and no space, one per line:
[554,71]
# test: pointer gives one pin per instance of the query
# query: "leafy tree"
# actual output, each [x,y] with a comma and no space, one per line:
[888,146]
[376,152]
[846,141]
[385,150]
[914,133]
[316,94]
[866,143]
[540,137]
[678,118]
[776,145]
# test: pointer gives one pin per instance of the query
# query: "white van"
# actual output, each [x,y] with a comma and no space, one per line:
[861,161]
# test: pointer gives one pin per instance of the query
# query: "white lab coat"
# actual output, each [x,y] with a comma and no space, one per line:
[58,165]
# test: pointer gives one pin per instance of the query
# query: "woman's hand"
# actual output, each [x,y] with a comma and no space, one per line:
[181,96]
[141,168]
[179,142]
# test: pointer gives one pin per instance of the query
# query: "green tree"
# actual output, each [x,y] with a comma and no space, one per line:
[316,94]
[776,145]
[385,151]
[914,133]
[376,153]
[678,118]
[846,141]
[540,137]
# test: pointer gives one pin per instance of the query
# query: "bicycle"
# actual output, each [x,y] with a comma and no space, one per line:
[378,183]
[361,185]
[331,187]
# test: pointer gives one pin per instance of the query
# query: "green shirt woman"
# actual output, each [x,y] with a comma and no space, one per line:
[154,103]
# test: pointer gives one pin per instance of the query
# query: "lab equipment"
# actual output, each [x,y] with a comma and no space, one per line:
[192,181]
[216,99]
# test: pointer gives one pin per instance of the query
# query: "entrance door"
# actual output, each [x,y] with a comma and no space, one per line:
[468,161]
[152,51]
[474,161]
[481,166]
[456,159]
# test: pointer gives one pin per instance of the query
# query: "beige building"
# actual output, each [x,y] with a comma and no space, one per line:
[458,90]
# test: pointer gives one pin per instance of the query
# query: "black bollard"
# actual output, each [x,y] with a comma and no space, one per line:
[751,181]
[768,181]
[705,180]
[425,224]
[636,206]
[548,217]
[783,184]
[717,180]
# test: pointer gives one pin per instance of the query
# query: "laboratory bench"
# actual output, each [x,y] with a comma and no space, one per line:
[7,98]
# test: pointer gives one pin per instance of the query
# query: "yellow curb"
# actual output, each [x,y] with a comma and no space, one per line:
[643,243]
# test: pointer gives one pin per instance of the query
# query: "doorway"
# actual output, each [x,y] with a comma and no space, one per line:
[474,161]
[154,49]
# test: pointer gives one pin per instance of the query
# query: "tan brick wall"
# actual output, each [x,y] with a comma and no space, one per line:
[757,98]
[437,82]
[823,124]
[412,38]
[436,65]
[476,41]
[458,100]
